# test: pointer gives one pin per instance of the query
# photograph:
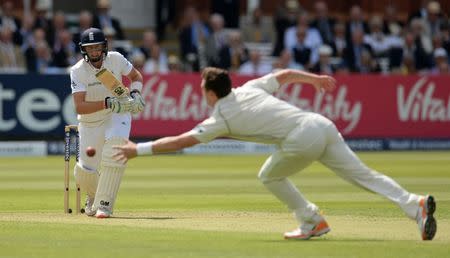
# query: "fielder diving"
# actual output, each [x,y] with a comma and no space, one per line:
[104,120]
[252,113]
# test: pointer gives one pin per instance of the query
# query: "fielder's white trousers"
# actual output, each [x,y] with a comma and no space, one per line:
[317,138]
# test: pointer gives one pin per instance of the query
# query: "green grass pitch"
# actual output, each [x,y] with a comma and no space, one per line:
[214,206]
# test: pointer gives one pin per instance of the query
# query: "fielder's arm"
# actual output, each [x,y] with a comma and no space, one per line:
[320,82]
[163,145]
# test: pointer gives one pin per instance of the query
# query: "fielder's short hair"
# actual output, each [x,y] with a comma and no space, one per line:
[217,80]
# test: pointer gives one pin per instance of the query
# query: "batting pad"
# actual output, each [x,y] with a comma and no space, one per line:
[86,179]
[108,152]
[108,186]
[110,176]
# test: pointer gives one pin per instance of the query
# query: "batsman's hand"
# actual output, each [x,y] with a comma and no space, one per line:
[324,83]
[119,105]
[138,102]
[125,152]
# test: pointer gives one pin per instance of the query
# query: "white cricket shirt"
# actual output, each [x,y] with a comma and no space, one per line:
[251,113]
[82,77]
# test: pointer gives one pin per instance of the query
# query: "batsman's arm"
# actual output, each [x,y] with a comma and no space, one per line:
[320,82]
[163,145]
[86,107]
[136,80]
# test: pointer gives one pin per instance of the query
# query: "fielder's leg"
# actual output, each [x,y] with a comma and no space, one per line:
[344,162]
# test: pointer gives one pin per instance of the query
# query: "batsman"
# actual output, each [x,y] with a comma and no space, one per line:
[104,107]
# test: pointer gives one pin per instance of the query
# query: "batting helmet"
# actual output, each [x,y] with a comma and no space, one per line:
[92,36]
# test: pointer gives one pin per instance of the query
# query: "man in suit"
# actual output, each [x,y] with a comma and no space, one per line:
[103,19]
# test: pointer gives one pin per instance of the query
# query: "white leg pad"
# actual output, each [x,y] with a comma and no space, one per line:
[86,179]
[108,187]
[110,177]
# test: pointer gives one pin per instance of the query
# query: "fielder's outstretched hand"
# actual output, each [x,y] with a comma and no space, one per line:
[125,152]
[324,83]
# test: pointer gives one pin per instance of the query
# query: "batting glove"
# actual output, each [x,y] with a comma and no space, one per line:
[138,102]
[118,105]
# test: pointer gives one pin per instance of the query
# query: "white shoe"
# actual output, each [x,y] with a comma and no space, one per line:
[425,220]
[307,230]
[88,209]
[102,213]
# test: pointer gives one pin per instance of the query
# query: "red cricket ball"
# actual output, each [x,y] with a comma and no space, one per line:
[90,151]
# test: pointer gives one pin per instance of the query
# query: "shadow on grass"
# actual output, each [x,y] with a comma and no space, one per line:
[144,217]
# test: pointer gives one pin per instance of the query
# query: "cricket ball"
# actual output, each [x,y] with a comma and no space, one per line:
[90,151]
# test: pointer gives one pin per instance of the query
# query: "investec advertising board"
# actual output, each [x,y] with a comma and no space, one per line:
[372,111]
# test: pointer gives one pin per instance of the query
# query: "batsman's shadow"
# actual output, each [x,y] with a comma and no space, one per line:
[142,217]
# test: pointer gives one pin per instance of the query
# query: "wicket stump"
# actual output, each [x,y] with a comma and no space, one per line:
[67,132]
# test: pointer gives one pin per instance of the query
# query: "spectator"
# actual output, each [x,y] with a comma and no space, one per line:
[323,22]
[192,36]
[353,53]
[257,29]
[149,41]
[445,32]
[441,62]
[157,63]
[42,61]
[377,40]
[174,64]
[234,54]
[11,57]
[285,17]
[27,31]
[422,13]
[137,59]
[422,45]
[216,41]
[110,35]
[392,25]
[434,19]
[368,64]
[255,66]
[9,20]
[65,52]
[58,25]
[42,21]
[301,51]
[30,51]
[356,22]
[285,61]
[324,66]
[103,19]
[85,20]
[313,40]
[340,42]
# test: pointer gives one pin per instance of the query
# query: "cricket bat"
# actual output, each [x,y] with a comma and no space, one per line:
[108,79]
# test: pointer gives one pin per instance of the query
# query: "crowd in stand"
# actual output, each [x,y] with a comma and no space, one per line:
[291,37]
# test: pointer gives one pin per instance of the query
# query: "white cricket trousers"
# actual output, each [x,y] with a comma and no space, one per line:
[316,138]
[95,135]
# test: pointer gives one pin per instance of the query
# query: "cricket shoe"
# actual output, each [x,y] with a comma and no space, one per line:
[308,230]
[88,208]
[425,220]
[102,213]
